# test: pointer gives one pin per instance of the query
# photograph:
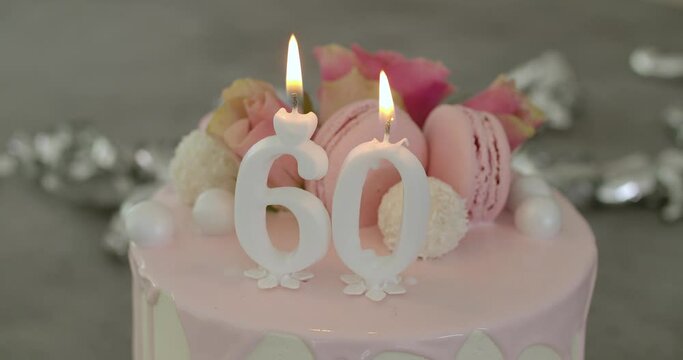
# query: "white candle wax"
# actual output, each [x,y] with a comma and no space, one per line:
[378,272]
[252,196]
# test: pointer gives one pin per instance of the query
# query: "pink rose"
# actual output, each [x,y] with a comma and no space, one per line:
[349,75]
[245,117]
[519,117]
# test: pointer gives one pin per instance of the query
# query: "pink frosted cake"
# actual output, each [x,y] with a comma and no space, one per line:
[505,269]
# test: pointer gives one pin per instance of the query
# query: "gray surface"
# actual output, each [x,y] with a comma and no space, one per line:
[149,69]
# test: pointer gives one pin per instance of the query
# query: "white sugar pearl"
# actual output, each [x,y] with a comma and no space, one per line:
[524,186]
[214,212]
[149,223]
[538,216]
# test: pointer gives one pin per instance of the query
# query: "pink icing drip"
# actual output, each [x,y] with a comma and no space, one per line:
[520,291]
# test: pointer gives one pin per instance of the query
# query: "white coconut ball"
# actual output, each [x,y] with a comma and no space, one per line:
[214,212]
[202,163]
[447,219]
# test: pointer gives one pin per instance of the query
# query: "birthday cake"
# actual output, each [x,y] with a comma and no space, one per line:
[367,231]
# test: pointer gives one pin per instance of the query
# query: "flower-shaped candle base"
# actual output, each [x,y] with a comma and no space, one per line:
[356,285]
[267,280]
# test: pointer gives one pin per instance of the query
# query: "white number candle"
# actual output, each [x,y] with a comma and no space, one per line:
[252,195]
[376,276]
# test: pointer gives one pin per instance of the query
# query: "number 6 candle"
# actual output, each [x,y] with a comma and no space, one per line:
[377,276]
[252,195]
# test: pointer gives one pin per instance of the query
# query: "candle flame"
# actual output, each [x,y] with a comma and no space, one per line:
[386,102]
[294,79]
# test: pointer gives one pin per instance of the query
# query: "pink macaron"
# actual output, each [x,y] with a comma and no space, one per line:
[350,126]
[468,150]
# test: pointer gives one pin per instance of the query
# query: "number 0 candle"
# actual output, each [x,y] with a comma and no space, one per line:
[376,276]
[293,131]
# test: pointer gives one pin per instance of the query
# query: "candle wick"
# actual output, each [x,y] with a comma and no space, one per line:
[296,104]
[387,128]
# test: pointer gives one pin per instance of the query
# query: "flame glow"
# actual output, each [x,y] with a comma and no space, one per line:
[294,78]
[386,102]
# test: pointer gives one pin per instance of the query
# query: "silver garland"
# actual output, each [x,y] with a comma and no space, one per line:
[673,117]
[652,62]
[79,164]
[552,85]
[634,178]
[76,162]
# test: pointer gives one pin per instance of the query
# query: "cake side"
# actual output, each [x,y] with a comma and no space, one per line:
[500,285]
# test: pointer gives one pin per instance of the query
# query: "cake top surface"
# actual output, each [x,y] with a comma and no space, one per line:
[497,275]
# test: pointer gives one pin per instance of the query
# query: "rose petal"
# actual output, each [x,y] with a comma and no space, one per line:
[350,75]
[516,129]
[262,108]
[246,87]
[236,133]
[519,117]
[335,61]
[232,106]
[499,98]
[420,101]
[284,172]
[351,87]
[421,82]
[246,117]
[256,133]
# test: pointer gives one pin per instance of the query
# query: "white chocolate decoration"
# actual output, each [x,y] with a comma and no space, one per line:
[577,351]
[149,223]
[539,216]
[281,346]
[479,346]
[214,212]
[393,355]
[539,352]
[447,218]
[536,211]
[169,338]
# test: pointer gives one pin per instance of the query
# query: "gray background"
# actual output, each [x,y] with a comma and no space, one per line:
[148,69]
